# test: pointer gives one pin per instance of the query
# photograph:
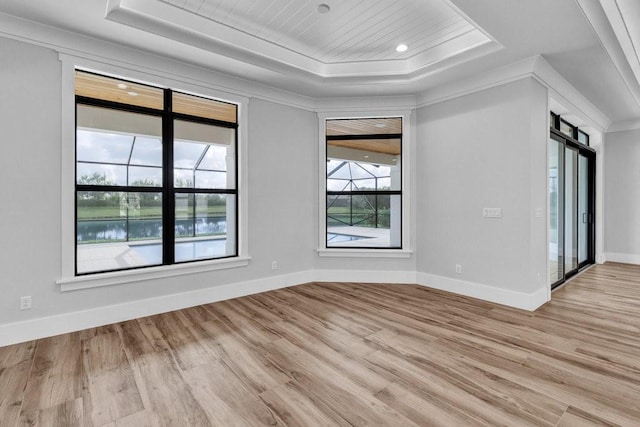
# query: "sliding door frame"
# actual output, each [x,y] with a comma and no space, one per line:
[570,143]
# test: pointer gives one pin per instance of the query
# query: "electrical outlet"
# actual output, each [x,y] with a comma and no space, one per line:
[25,303]
[274,265]
[458,269]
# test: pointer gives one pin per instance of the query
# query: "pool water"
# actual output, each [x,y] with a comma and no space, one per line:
[337,238]
[184,251]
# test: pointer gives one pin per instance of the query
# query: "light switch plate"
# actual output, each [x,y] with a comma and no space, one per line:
[492,212]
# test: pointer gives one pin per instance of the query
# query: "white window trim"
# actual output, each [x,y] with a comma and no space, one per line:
[67,279]
[407,159]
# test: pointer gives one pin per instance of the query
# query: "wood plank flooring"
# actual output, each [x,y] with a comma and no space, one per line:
[340,354]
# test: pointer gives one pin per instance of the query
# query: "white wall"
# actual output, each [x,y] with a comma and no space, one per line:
[486,149]
[30,176]
[283,183]
[622,196]
[282,199]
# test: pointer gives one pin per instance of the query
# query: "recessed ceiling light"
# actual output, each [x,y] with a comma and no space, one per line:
[402,47]
[323,8]
[132,93]
[122,86]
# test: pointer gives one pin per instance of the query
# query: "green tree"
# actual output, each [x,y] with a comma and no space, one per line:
[95,179]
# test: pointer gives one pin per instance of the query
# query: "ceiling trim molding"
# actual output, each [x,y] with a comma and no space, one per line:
[609,26]
[565,93]
[365,104]
[489,79]
[421,73]
[169,21]
[534,67]
[74,44]
[625,126]
[81,46]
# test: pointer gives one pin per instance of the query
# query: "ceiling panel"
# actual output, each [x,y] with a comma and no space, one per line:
[382,126]
[353,30]
[116,90]
[383,146]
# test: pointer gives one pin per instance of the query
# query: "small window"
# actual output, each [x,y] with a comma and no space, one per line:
[553,120]
[155,181]
[583,137]
[364,183]
[567,128]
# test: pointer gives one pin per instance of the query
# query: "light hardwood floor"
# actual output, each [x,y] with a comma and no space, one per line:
[345,354]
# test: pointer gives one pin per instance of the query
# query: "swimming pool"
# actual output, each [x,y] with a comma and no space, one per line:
[184,251]
[337,238]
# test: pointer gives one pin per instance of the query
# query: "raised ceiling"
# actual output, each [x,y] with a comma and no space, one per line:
[354,39]
[624,18]
[265,46]
[350,31]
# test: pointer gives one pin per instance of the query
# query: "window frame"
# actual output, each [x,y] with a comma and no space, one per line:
[190,85]
[556,121]
[167,188]
[404,251]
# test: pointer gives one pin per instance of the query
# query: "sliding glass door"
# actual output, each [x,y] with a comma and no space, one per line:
[584,213]
[571,205]
[570,210]
[556,210]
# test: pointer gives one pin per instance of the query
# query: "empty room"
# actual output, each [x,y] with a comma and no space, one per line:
[319,213]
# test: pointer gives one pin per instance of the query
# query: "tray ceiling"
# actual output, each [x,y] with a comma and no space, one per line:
[354,39]
[289,51]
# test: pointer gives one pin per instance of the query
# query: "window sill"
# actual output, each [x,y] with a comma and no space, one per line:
[137,275]
[365,253]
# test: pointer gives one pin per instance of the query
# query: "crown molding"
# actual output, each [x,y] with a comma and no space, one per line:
[625,126]
[81,46]
[76,45]
[566,94]
[191,29]
[492,78]
[533,67]
[365,104]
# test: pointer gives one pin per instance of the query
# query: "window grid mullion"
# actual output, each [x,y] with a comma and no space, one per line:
[168,194]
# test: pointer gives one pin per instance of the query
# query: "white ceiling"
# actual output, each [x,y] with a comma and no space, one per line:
[348,52]
[352,31]
[356,39]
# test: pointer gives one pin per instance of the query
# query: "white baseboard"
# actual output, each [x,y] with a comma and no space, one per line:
[364,276]
[12,333]
[623,258]
[525,301]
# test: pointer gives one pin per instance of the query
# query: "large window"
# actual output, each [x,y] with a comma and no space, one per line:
[364,183]
[156,174]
